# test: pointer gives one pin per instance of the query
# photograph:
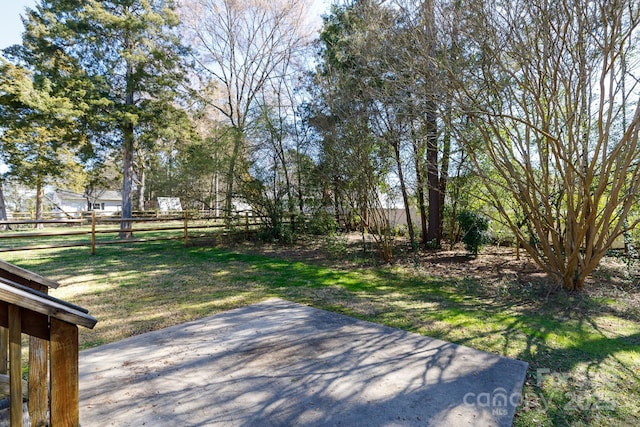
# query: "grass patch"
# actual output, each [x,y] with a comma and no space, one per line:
[583,351]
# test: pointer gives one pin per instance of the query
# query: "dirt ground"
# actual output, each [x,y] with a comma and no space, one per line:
[496,268]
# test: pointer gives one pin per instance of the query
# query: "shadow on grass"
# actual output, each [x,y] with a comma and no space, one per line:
[136,288]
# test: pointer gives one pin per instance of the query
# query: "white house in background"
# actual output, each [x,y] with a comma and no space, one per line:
[68,203]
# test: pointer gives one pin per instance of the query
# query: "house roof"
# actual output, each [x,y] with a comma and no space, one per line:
[100,195]
[69,195]
[107,195]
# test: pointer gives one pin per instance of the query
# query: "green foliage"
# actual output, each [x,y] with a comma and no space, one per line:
[35,123]
[354,163]
[474,230]
[400,230]
[322,224]
[190,166]
[37,130]
[275,226]
[591,353]
[120,62]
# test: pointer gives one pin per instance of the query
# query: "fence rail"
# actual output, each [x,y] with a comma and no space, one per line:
[95,225]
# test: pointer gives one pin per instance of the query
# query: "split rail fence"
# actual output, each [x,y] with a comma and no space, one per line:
[178,226]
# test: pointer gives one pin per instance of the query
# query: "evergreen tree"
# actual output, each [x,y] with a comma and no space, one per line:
[35,123]
[125,55]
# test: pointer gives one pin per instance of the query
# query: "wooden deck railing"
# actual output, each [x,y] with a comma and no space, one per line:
[52,327]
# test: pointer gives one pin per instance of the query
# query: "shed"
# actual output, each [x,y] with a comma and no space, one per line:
[52,325]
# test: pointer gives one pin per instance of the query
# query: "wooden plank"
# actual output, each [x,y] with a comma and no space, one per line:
[64,374]
[20,281]
[34,324]
[133,220]
[15,366]
[38,381]
[127,241]
[45,306]
[42,294]
[25,277]
[4,348]
[41,221]
[175,227]
[45,234]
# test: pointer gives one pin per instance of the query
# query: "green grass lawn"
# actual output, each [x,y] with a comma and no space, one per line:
[583,351]
[24,236]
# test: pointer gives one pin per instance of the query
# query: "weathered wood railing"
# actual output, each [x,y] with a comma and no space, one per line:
[52,327]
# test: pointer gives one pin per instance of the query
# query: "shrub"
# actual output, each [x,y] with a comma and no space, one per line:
[474,230]
[322,224]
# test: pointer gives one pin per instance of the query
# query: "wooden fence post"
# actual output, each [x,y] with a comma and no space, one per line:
[93,233]
[246,226]
[186,227]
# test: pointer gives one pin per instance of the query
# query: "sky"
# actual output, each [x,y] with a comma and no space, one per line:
[10,23]
[11,26]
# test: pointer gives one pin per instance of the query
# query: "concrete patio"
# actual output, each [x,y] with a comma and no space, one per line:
[278,363]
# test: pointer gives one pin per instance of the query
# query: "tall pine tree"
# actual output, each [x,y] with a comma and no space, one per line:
[37,142]
[127,58]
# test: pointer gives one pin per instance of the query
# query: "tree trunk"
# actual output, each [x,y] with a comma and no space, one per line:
[431,127]
[231,172]
[128,146]
[291,203]
[573,281]
[444,169]
[418,155]
[336,204]
[299,179]
[403,189]
[300,193]
[39,202]
[127,181]
[3,208]
[433,231]
[142,176]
